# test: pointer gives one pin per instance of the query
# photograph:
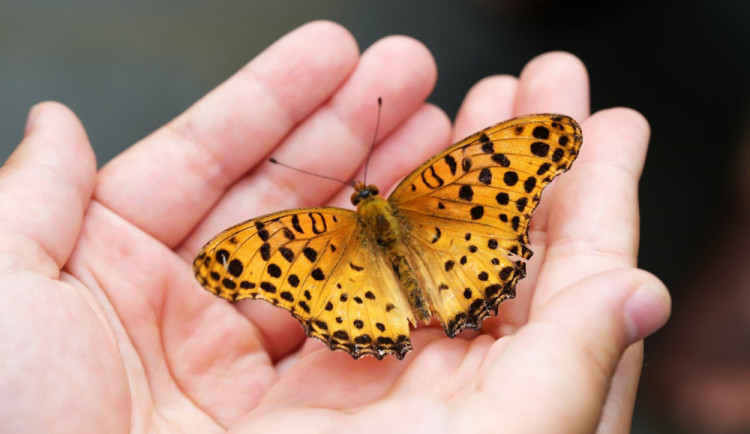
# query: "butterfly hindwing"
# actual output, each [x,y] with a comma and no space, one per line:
[364,309]
[466,270]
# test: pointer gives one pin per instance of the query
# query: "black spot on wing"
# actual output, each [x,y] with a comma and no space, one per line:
[296,225]
[286,253]
[319,224]
[487,145]
[543,169]
[501,159]
[318,274]
[289,235]
[529,184]
[268,287]
[485,176]
[540,149]
[436,235]
[466,193]
[265,251]
[540,132]
[274,270]
[235,268]
[557,155]
[521,203]
[451,162]
[293,280]
[310,253]
[222,256]
[431,179]
[477,212]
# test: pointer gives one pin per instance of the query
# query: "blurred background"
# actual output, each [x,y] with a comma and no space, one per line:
[127,67]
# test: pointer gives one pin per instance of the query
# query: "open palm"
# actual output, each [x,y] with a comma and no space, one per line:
[105,330]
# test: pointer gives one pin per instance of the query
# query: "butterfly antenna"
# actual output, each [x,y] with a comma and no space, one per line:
[374,138]
[275,161]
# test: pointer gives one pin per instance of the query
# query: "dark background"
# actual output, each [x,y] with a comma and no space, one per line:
[128,67]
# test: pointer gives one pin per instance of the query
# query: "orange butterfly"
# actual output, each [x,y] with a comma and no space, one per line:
[450,241]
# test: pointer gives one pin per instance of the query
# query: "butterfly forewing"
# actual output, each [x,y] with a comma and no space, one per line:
[467,212]
[315,264]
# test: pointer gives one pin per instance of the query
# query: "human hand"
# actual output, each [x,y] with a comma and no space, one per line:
[105,330]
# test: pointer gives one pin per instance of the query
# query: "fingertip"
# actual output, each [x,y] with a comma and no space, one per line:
[647,309]
[404,55]
[31,118]
[554,82]
[618,136]
[328,26]
[42,114]
[321,30]
[407,47]
[563,63]
[488,102]
[559,58]
[625,121]
[54,134]
[402,50]
[302,68]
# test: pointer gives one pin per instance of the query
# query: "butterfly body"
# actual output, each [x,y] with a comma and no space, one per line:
[450,242]
[387,231]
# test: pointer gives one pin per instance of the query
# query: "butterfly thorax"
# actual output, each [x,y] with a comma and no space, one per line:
[384,229]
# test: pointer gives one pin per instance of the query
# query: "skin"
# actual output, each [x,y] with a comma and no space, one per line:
[105,330]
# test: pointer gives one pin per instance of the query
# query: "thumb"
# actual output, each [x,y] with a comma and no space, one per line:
[564,359]
[45,187]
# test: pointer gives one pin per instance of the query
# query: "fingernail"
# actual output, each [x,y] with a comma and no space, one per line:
[31,119]
[646,310]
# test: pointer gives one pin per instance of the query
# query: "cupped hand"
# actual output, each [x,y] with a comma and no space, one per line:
[105,330]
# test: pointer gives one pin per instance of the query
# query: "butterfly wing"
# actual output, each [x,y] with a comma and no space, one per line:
[467,212]
[317,264]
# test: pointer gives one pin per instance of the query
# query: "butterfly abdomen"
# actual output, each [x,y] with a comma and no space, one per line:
[386,231]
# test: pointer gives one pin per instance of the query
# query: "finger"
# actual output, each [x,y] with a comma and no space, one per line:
[334,140]
[168,181]
[595,227]
[488,102]
[570,348]
[45,187]
[555,82]
[620,401]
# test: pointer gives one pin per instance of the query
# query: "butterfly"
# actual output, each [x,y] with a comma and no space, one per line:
[450,241]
